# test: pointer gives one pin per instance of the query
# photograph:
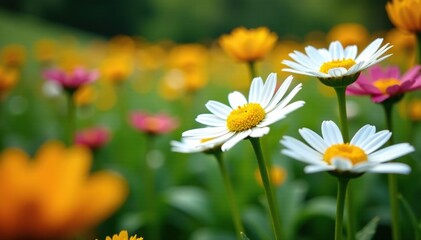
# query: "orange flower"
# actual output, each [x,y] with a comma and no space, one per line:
[13,55]
[277,175]
[53,196]
[248,45]
[8,79]
[405,14]
[349,34]
[123,236]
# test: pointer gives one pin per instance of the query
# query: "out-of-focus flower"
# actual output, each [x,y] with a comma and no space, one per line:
[8,79]
[72,80]
[330,153]
[123,235]
[53,196]
[46,50]
[248,45]
[404,48]
[116,69]
[277,174]
[382,84]
[93,138]
[153,124]
[84,95]
[349,34]
[413,109]
[150,57]
[336,66]
[228,125]
[405,14]
[13,55]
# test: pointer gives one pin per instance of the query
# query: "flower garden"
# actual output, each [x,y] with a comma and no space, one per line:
[249,136]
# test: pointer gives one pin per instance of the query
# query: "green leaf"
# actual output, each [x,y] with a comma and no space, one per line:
[369,230]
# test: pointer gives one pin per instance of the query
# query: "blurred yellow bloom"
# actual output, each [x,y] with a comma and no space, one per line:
[412,109]
[123,235]
[116,69]
[349,34]
[8,79]
[404,46]
[13,55]
[45,50]
[84,95]
[150,57]
[248,45]
[278,176]
[53,196]
[405,14]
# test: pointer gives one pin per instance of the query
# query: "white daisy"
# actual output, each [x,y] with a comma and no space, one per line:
[329,152]
[228,125]
[190,145]
[337,61]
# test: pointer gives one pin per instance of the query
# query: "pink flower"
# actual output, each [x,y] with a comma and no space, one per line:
[73,79]
[93,138]
[153,124]
[384,83]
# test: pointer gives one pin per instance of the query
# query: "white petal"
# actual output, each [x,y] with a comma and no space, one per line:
[362,134]
[219,109]
[369,50]
[268,90]
[279,94]
[210,120]
[314,140]
[206,132]
[288,98]
[318,168]
[300,151]
[399,168]
[234,140]
[331,133]
[375,141]
[342,164]
[236,99]
[255,89]
[337,72]
[259,132]
[277,115]
[351,52]
[391,152]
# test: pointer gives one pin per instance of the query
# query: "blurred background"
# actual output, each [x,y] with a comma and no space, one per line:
[162,59]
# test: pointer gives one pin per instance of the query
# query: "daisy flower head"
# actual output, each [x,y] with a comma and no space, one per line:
[336,66]
[192,145]
[243,118]
[386,84]
[328,152]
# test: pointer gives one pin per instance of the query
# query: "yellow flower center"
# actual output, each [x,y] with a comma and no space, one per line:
[345,150]
[384,84]
[245,117]
[346,63]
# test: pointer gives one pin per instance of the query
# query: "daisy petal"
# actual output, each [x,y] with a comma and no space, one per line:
[236,99]
[399,168]
[318,168]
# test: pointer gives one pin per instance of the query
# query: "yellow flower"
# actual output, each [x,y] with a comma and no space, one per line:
[349,34]
[13,55]
[84,95]
[248,45]
[277,175]
[8,79]
[405,14]
[53,196]
[123,235]
[45,50]
[404,48]
[116,69]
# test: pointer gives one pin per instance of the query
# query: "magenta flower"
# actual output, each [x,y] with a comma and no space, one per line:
[385,83]
[93,138]
[153,124]
[71,80]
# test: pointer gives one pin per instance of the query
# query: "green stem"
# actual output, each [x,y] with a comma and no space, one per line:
[340,204]
[231,199]
[252,69]
[418,57]
[71,119]
[392,181]
[271,198]
[150,192]
[343,119]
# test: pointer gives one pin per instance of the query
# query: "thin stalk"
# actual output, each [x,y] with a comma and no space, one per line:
[392,181]
[340,204]
[152,204]
[230,194]
[418,57]
[252,69]
[343,120]
[271,198]
[71,118]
